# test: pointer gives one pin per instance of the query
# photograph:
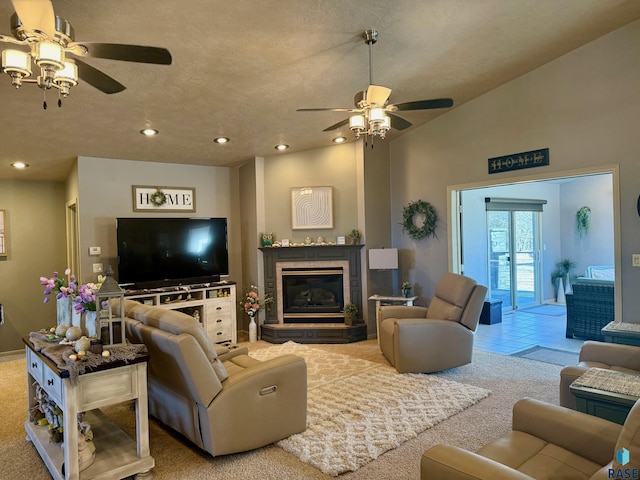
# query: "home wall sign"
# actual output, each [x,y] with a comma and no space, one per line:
[311,208]
[518,161]
[165,199]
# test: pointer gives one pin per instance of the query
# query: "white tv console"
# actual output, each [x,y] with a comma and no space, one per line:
[212,304]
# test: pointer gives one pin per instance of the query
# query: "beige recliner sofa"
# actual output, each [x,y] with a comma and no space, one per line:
[434,338]
[612,356]
[547,442]
[219,398]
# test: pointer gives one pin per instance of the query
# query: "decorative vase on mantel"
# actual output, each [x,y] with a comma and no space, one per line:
[63,310]
[253,329]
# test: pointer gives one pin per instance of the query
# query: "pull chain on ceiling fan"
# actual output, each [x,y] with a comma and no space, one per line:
[50,40]
[373,116]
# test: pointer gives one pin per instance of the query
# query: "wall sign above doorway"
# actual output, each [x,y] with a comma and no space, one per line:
[166,199]
[518,161]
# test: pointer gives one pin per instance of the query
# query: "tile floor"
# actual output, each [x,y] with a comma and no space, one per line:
[520,330]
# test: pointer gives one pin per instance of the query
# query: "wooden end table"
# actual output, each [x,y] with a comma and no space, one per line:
[597,393]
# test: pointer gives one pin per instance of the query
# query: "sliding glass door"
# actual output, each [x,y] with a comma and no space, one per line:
[514,267]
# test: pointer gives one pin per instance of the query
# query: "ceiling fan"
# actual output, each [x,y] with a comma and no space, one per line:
[50,39]
[373,115]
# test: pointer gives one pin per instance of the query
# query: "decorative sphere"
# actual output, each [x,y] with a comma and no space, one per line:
[61,330]
[106,353]
[73,333]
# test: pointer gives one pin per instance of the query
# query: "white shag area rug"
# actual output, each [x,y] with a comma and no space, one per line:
[357,409]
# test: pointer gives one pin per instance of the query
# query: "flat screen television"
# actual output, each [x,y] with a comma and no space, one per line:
[157,252]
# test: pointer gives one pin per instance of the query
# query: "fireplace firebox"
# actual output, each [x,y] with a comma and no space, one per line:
[316,294]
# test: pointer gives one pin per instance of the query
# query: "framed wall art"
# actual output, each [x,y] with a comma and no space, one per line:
[3,233]
[311,208]
[166,199]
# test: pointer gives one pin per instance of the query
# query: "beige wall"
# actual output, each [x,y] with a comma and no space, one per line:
[583,106]
[36,247]
[332,166]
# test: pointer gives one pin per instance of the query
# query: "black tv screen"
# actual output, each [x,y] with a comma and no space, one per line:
[171,251]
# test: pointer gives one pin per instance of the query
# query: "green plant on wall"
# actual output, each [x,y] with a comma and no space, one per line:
[583,221]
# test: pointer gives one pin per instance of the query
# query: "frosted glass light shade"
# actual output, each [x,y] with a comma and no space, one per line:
[356,122]
[49,53]
[68,74]
[16,61]
[376,115]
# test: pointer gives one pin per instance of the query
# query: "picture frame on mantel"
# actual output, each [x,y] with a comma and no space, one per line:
[311,208]
[163,199]
[3,233]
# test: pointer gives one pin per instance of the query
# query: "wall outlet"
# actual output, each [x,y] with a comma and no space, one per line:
[635,259]
[97,268]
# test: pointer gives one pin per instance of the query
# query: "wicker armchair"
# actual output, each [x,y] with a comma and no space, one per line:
[589,308]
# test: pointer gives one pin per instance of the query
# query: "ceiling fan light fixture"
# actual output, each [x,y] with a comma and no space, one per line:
[221,140]
[16,64]
[376,116]
[66,78]
[149,132]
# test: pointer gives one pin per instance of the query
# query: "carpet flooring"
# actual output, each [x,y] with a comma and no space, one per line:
[549,355]
[508,378]
[378,408]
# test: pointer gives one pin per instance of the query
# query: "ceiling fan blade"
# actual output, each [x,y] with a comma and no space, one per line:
[36,15]
[127,53]
[378,95]
[337,125]
[398,123]
[426,104]
[325,110]
[98,79]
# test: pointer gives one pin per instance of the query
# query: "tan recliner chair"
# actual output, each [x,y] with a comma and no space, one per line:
[221,399]
[547,442]
[434,338]
[612,356]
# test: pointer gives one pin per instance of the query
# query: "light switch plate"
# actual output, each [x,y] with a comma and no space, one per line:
[635,259]
[95,250]
[97,268]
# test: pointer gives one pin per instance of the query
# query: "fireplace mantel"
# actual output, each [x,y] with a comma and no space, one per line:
[308,255]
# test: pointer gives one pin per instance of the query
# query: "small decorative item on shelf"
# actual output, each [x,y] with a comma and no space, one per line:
[406,289]
[252,304]
[354,237]
[266,239]
[84,309]
[110,312]
[350,314]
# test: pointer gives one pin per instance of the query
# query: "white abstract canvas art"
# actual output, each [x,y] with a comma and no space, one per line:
[311,208]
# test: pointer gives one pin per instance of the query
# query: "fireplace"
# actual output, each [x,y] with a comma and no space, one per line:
[312,294]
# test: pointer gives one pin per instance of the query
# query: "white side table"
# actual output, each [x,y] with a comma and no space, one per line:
[384,300]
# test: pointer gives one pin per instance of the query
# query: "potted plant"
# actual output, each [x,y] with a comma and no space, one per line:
[350,314]
[583,221]
[406,289]
[354,236]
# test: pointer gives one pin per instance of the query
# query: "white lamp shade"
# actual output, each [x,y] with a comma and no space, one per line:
[386,122]
[356,122]
[68,74]
[376,115]
[16,61]
[383,259]
[49,53]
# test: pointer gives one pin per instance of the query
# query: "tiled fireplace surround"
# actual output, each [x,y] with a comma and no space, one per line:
[343,257]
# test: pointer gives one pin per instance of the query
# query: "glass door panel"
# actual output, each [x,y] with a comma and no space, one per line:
[500,257]
[526,247]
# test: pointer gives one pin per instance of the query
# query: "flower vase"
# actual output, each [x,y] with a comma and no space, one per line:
[253,330]
[63,310]
[568,289]
[76,318]
[406,292]
[90,327]
[560,298]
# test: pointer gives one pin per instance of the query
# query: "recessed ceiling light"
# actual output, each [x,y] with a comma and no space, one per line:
[340,140]
[19,165]
[149,132]
[281,147]
[221,140]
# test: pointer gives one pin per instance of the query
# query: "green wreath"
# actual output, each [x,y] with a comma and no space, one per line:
[158,198]
[428,228]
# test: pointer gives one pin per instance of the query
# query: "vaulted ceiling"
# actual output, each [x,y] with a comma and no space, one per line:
[241,69]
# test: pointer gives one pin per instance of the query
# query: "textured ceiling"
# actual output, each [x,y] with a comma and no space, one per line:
[241,69]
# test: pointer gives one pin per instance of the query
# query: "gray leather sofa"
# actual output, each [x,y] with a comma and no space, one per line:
[219,398]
